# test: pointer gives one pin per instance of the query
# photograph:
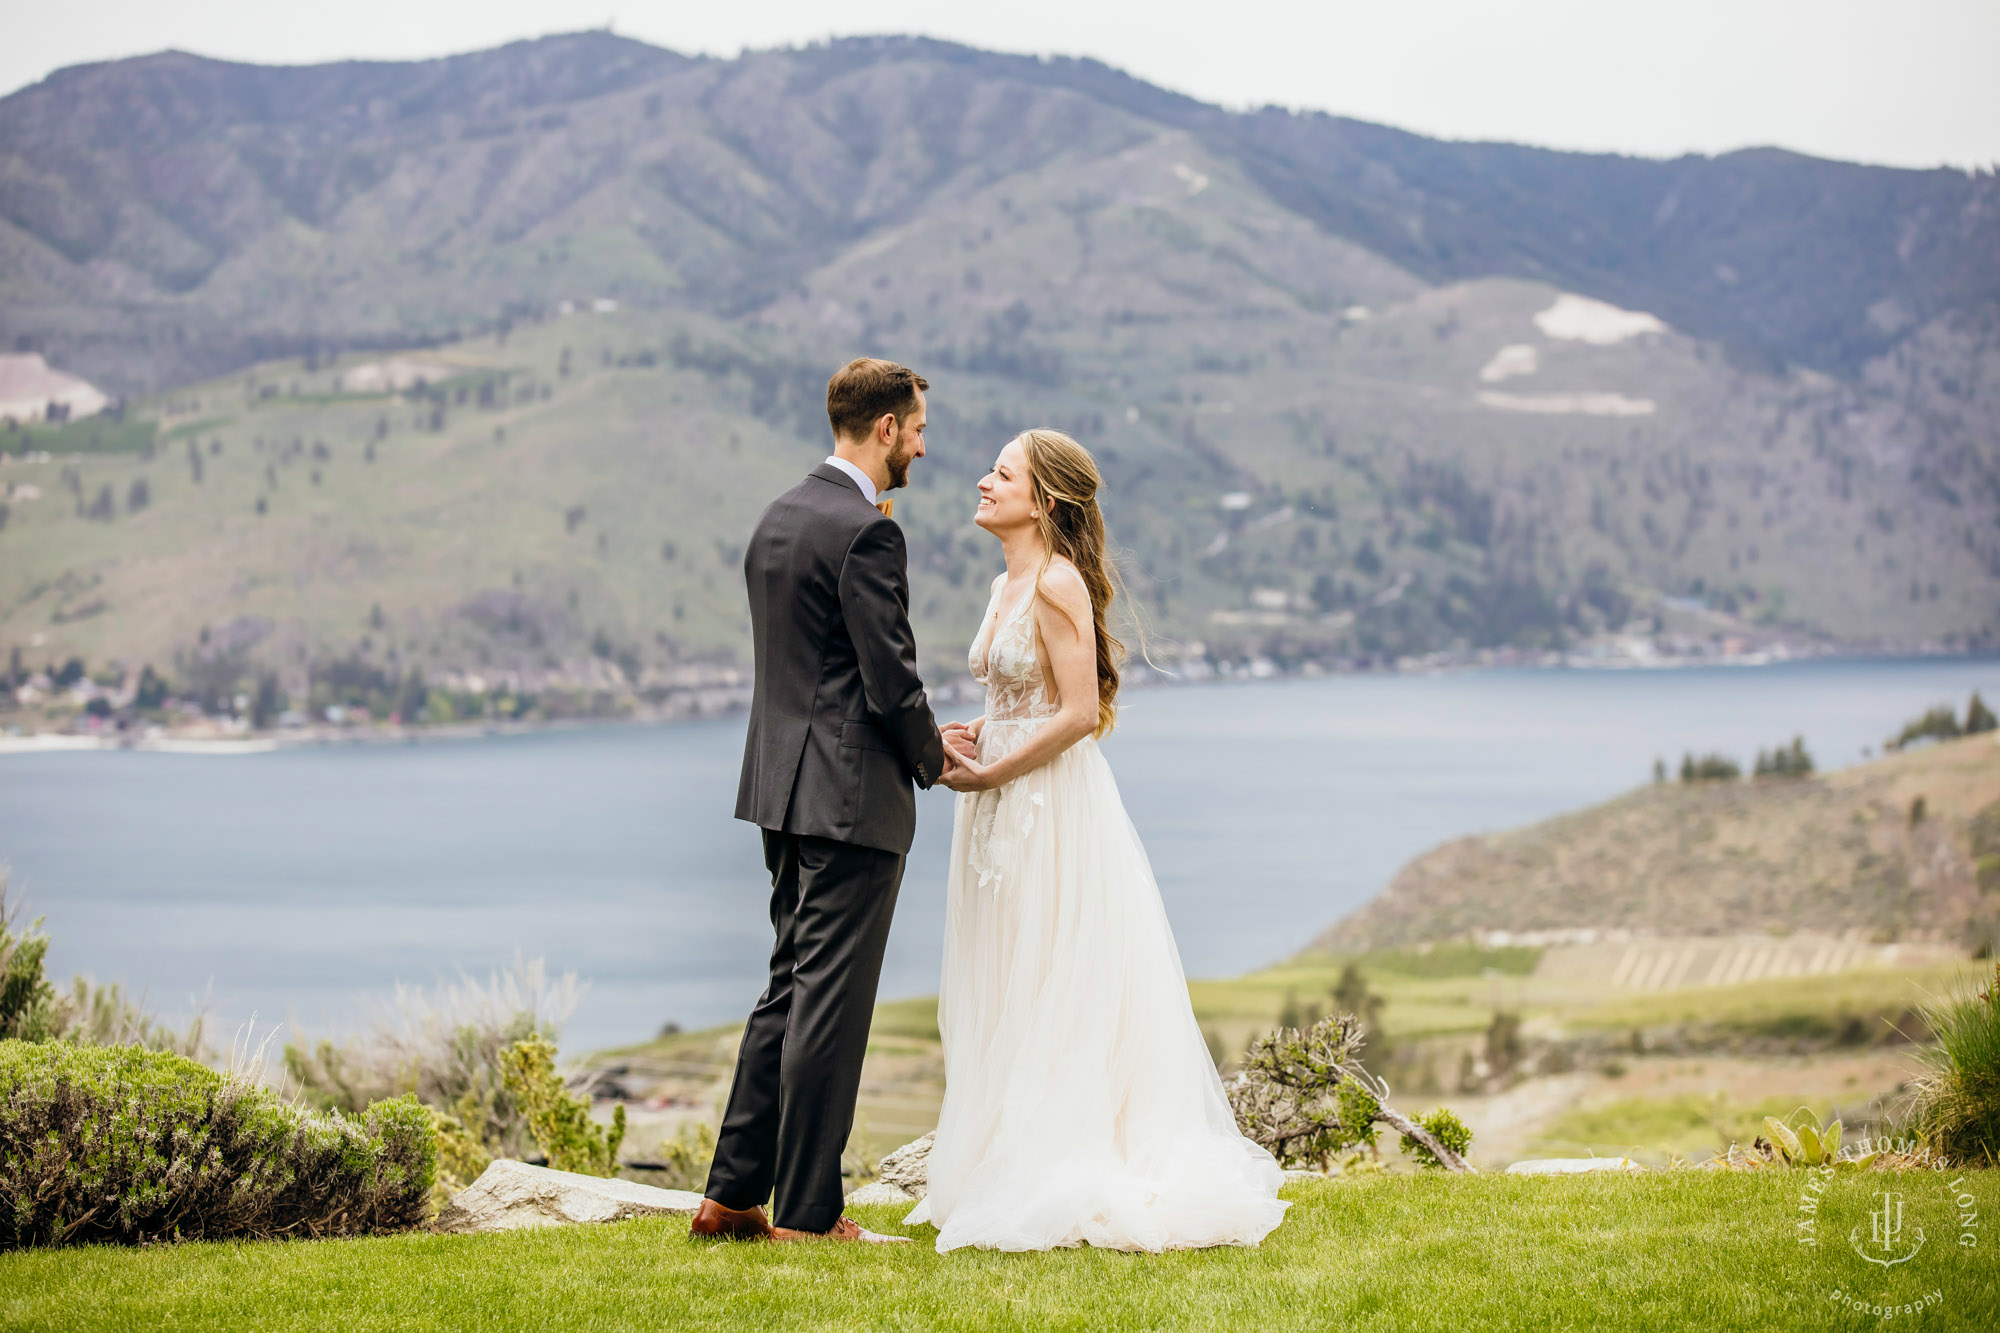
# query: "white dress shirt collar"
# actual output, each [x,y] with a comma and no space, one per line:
[861,479]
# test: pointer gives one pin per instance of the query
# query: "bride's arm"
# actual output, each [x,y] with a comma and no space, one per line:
[1069,642]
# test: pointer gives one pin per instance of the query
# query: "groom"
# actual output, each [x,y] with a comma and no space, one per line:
[839,729]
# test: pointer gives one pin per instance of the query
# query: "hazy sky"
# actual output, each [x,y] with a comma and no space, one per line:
[1911,83]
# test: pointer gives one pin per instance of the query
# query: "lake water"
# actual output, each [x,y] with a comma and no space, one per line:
[304,883]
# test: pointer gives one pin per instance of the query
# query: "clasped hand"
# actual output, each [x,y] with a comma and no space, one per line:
[962,770]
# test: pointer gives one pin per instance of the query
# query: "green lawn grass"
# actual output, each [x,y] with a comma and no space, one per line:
[1669,1252]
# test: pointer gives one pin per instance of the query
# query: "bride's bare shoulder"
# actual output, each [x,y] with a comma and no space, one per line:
[1063,585]
[1062,572]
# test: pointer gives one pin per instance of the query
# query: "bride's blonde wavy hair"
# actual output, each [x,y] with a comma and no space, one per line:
[1065,479]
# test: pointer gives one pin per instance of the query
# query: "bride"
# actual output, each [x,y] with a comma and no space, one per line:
[1081,1104]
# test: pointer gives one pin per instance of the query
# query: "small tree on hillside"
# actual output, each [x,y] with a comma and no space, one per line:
[1352,996]
[266,702]
[410,697]
[152,691]
[1297,1014]
[1709,768]
[1786,761]
[1504,1047]
[1936,724]
[1978,717]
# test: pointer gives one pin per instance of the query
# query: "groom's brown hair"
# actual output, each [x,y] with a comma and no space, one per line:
[865,390]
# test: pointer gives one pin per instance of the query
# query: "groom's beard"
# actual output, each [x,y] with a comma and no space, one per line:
[898,464]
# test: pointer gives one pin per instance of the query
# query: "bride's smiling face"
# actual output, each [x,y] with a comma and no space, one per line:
[1006,495]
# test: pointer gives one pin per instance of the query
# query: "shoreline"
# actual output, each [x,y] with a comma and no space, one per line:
[714,704]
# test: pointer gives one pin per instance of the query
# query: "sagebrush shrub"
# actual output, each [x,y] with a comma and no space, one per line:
[443,1045]
[1302,1093]
[1446,1128]
[1304,1096]
[124,1144]
[27,1000]
[461,1157]
[560,1123]
[686,1157]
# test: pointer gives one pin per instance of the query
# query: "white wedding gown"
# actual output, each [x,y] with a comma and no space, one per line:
[1081,1104]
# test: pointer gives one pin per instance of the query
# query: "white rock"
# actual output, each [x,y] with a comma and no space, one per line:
[1569,1166]
[510,1196]
[908,1168]
[881,1192]
[1292,1177]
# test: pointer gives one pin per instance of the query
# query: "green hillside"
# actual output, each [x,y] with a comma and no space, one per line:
[1906,847]
[517,517]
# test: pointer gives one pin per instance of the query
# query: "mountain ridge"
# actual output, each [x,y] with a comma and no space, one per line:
[638,269]
[1658,234]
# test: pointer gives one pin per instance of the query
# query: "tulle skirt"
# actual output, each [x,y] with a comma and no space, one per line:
[1081,1104]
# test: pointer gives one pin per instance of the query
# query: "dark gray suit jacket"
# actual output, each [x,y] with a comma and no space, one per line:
[839,722]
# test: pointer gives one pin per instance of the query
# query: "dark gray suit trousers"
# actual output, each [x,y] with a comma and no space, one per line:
[791,1106]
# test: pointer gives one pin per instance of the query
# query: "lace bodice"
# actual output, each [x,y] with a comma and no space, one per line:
[1004,660]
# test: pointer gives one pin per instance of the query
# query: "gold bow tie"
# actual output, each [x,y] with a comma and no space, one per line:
[888,508]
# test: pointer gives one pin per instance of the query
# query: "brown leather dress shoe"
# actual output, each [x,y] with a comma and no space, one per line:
[845,1229]
[714,1222]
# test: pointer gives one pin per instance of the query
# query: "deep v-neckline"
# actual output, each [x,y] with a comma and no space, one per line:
[999,622]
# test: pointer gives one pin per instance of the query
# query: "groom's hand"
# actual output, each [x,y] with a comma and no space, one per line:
[958,740]
[963,774]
